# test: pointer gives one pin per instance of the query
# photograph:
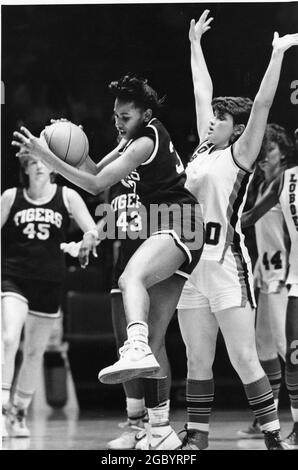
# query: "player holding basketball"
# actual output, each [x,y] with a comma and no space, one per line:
[219,293]
[284,190]
[272,266]
[34,218]
[151,166]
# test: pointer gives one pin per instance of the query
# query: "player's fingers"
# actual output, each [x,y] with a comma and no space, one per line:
[204,15]
[26,132]
[15,143]
[94,252]
[208,21]
[21,137]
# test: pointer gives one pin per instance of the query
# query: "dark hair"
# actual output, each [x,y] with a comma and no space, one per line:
[131,88]
[237,106]
[24,178]
[278,135]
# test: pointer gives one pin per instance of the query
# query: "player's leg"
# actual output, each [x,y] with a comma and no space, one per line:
[14,312]
[37,334]
[199,330]
[155,260]
[292,362]
[237,326]
[164,297]
[134,392]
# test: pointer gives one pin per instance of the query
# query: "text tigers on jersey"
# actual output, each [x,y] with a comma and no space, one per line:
[38,214]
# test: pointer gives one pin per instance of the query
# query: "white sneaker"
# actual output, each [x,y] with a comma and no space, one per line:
[156,438]
[4,432]
[16,423]
[127,440]
[136,360]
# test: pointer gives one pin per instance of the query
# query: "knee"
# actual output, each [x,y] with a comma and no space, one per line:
[244,360]
[199,363]
[33,353]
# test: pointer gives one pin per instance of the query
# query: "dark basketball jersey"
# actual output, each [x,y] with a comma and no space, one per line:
[126,204]
[32,236]
[160,179]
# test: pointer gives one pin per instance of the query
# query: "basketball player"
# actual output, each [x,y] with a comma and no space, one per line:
[284,190]
[151,166]
[152,394]
[219,293]
[271,268]
[34,218]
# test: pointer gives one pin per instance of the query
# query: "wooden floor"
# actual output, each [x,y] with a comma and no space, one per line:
[58,430]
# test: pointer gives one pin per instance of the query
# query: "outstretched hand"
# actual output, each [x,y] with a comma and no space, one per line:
[28,144]
[196,30]
[284,43]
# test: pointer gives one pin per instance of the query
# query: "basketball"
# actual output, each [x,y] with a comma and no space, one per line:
[68,142]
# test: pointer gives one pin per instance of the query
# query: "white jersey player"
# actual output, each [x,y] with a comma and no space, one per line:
[219,293]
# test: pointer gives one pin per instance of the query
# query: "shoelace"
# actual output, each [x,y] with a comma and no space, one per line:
[131,343]
[273,437]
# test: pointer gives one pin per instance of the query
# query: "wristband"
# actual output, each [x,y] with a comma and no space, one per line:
[93,232]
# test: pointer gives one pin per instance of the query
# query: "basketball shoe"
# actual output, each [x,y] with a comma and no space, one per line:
[127,440]
[16,422]
[136,360]
[273,441]
[194,439]
[157,438]
[292,439]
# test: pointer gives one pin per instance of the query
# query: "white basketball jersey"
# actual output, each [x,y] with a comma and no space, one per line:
[289,204]
[220,184]
[270,239]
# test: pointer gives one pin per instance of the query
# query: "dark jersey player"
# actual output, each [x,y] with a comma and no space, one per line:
[35,219]
[169,248]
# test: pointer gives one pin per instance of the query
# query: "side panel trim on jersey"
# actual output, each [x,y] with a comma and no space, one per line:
[151,158]
[235,201]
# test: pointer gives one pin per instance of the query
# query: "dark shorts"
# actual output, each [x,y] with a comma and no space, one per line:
[43,297]
[187,229]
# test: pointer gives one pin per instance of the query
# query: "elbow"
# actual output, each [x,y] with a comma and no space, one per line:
[262,102]
[95,188]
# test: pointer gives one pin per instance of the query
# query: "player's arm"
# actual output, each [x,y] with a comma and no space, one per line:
[91,167]
[247,147]
[136,154]
[264,205]
[7,200]
[202,83]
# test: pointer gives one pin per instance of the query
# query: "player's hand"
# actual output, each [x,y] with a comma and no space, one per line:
[196,30]
[283,43]
[71,248]
[89,244]
[28,144]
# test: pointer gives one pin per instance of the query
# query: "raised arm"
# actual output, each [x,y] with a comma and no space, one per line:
[202,83]
[247,147]
[136,154]
[264,205]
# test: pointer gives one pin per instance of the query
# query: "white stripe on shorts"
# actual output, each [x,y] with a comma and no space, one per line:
[179,242]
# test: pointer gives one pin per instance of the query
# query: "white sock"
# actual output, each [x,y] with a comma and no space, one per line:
[138,331]
[159,416]
[135,408]
[5,395]
[22,399]
[294,412]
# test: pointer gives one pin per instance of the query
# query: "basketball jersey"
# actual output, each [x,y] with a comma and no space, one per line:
[220,184]
[161,178]
[289,203]
[32,236]
[126,204]
[271,244]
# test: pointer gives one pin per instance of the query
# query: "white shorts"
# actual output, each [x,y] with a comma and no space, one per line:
[219,286]
[272,287]
[293,290]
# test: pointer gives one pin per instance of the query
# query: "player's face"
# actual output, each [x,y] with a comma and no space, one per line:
[221,129]
[128,119]
[37,171]
[271,161]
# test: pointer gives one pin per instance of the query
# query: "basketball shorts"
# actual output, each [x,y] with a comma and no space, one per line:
[219,286]
[43,297]
[186,226]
